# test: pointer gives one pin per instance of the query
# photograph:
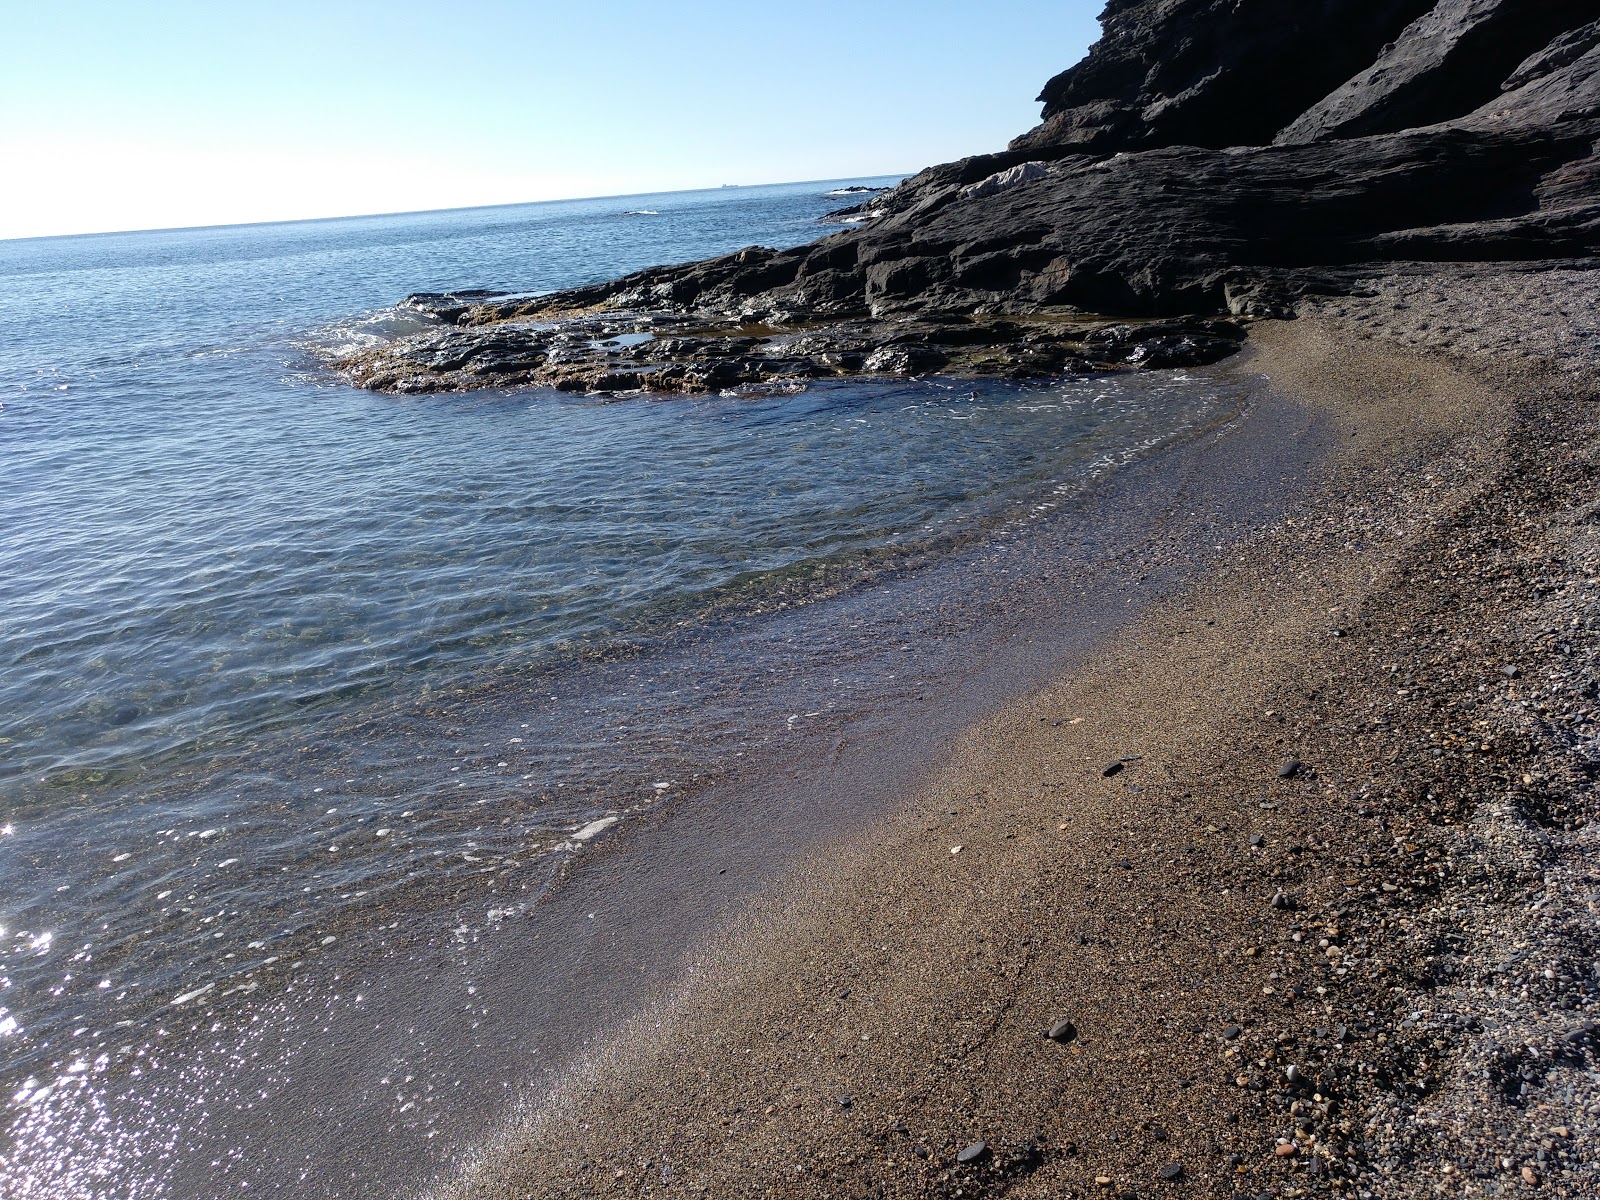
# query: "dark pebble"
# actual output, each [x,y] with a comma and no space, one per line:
[1062,1031]
[1159,1133]
[1290,769]
[1125,865]
[1113,769]
[1510,672]
[1255,839]
[845,1102]
[124,714]
[974,1153]
[1231,1032]
[1281,901]
[1171,1171]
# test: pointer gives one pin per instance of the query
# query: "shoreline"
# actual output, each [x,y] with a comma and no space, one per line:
[902,665]
[914,981]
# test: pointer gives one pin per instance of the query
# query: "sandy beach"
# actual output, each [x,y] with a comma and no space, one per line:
[1303,856]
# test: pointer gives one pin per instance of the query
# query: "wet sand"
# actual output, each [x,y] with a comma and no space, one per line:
[1326,929]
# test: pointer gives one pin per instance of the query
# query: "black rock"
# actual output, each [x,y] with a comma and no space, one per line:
[1290,769]
[1171,1172]
[448,307]
[1168,178]
[1231,1032]
[1114,768]
[1062,1031]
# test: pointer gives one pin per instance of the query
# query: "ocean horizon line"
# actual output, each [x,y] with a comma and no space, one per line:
[421,212]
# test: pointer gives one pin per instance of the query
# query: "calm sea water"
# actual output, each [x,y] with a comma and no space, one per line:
[280,660]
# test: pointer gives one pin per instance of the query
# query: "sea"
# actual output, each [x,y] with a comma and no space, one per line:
[312,698]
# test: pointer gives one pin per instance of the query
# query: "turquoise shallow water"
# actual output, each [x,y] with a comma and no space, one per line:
[267,643]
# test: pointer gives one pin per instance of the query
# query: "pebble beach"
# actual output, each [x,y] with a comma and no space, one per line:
[1299,868]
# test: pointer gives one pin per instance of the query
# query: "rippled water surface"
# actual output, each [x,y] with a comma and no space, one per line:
[280,659]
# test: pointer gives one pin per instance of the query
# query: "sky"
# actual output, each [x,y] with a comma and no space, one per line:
[143,114]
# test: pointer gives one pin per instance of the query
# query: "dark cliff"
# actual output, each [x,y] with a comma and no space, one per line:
[1206,157]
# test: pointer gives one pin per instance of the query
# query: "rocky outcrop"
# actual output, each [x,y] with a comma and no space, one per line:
[1209,158]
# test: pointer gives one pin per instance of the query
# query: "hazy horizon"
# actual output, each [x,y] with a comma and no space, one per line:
[419,212]
[192,116]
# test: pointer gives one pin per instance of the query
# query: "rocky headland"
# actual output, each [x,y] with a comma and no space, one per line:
[1208,163]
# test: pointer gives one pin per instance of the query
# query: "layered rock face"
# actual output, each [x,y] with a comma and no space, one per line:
[1207,158]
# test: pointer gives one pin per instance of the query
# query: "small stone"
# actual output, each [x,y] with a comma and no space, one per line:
[1102,1181]
[974,1153]
[1112,769]
[1171,1172]
[1287,1150]
[1231,1032]
[1255,839]
[1062,1031]
[1290,769]
[1530,1176]
[845,1102]
[1159,1133]
[1511,671]
[1125,865]
[1292,1073]
[1280,900]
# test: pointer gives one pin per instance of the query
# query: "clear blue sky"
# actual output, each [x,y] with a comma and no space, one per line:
[131,114]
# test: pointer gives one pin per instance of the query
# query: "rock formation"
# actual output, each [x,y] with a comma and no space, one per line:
[1208,159]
